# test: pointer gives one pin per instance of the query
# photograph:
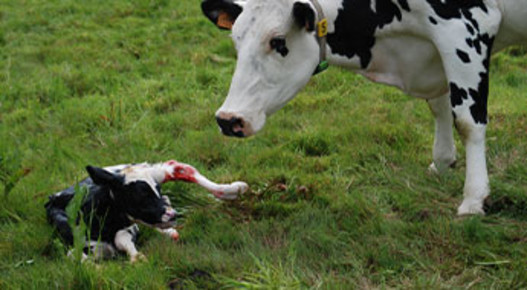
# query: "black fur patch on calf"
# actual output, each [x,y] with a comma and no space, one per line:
[355,27]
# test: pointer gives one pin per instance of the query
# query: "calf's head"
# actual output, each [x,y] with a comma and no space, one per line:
[277,53]
[136,189]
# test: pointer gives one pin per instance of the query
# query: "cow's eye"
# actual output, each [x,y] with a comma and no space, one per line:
[278,44]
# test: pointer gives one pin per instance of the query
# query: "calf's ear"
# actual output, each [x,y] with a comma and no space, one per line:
[222,13]
[101,176]
[304,15]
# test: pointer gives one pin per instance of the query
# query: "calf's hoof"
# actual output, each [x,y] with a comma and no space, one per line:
[139,257]
[172,233]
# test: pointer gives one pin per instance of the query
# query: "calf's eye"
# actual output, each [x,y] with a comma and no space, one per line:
[278,44]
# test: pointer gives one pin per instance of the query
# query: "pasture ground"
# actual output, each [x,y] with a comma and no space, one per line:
[109,82]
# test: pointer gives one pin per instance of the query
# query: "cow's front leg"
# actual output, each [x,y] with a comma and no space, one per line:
[465,46]
[444,152]
[477,181]
[125,241]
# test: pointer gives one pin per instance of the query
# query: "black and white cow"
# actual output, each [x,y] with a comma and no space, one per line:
[123,195]
[436,50]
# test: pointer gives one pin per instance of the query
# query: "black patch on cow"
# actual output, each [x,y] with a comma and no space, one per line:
[477,41]
[470,29]
[479,109]
[304,15]
[463,56]
[477,45]
[355,27]
[468,15]
[455,8]
[457,95]
[432,20]
[404,5]
[386,12]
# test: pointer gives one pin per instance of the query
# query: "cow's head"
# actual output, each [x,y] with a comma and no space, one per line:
[277,54]
[136,189]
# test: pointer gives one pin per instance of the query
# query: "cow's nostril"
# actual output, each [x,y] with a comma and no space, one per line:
[231,127]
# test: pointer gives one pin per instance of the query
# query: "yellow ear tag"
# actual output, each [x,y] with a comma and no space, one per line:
[224,21]
[322,27]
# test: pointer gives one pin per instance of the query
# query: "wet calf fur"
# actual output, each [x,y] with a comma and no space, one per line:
[117,198]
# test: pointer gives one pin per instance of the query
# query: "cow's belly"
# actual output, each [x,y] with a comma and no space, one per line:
[409,63]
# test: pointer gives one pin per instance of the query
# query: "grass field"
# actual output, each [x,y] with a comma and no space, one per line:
[109,82]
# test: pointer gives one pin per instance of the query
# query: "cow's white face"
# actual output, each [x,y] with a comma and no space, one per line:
[277,55]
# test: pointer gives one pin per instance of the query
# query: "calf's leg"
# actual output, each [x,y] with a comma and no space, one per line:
[124,241]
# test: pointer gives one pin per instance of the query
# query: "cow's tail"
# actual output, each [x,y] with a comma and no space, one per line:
[57,217]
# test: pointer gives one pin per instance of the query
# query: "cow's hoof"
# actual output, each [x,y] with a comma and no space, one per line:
[470,208]
[434,169]
[139,257]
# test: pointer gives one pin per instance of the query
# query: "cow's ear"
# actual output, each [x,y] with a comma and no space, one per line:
[222,13]
[304,15]
[101,176]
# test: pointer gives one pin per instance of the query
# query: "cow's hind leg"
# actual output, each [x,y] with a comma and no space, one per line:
[444,148]
[466,54]
[469,106]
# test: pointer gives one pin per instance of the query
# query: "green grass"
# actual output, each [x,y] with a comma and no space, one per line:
[109,82]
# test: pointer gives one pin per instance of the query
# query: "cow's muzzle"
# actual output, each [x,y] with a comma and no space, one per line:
[232,125]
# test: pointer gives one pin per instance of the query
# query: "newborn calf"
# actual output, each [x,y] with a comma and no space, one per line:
[123,195]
